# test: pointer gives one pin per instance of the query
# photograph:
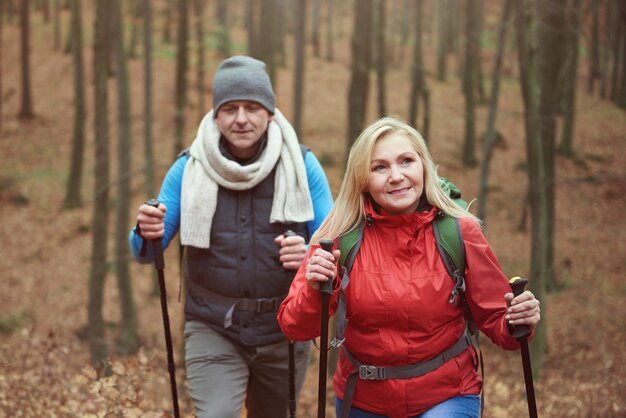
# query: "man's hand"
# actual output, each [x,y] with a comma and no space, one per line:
[151,221]
[292,251]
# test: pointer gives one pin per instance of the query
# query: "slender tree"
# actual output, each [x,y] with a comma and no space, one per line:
[329,31]
[222,29]
[252,24]
[442,39]
[199,11]
[168,11]
[616,49]
[568,102]
[101,188]
[550,31]
[147,118]
[594,46]
[181,75]
[298,87]
[478,64]
[359,79]
[57,25]
[381,58]
[490,134]
[128,340]
[529,82]
[1,44]
[469,78]
[620,97]
[267,38]
[135,12]
[73,197]
[417,66]
[26,110]
[315,28]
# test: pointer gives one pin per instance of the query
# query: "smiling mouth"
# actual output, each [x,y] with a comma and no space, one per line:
[400,191]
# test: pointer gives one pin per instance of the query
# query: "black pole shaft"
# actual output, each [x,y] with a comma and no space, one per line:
[292,361]
[159,263]
[292,381]
[321,393]
[528,378]
[326,288]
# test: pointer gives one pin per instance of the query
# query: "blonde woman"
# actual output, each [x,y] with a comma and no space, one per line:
[397,301]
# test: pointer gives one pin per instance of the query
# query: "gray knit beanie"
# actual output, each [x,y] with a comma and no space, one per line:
[242,78]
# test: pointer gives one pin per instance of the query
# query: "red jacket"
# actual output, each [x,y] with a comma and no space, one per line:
[399,313]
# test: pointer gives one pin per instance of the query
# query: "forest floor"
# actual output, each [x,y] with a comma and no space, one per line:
[45,251]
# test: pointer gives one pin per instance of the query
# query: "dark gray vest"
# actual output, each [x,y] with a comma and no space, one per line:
[236,285]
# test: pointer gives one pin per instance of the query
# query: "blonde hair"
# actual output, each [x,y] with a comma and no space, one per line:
[349,208]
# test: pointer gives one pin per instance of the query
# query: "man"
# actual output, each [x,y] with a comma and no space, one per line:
[244,181]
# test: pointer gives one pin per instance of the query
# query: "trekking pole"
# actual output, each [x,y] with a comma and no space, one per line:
[292,362]
[326,288]
[521,332]
[159,264]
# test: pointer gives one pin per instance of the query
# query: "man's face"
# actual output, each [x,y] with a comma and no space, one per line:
[243,122]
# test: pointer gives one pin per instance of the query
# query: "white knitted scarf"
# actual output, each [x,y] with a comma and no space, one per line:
[207,169]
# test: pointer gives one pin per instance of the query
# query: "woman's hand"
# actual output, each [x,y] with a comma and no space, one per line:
[523,310]
[321,267]
[151,221]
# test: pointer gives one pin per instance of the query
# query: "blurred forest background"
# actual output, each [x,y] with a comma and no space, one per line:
[521,101]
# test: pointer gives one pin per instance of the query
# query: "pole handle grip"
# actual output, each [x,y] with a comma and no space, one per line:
[517,287]
[327,286]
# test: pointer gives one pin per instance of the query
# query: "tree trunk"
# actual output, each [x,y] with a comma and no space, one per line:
[381,58]
[417,67]
[57,25]
[616,48]
[490,134]
[442,39]
[329,31]
[359,80]
[181,76]
[223,24]
[26,111]
[147,119]
[315,27]
[594,46]
[2,14]
[550,35]
[202,109]
[621,91]
[569,83]
[478,64]
[128,339]
[298,85]
[168,11]
[267,39]
[469,78]
[426,122]
[73,197]
[101,188]
[253,30]
[529,79]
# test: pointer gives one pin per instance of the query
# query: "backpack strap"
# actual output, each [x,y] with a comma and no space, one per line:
[450,245]
[349,245]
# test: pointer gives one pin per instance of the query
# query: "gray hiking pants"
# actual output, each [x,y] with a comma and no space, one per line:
[223,373]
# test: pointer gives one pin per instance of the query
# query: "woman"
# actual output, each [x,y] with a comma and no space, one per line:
[397,300]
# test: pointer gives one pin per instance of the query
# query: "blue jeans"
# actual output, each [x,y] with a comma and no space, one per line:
[464,406]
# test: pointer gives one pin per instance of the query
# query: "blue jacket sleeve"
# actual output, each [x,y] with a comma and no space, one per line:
[320,191]
[170,197]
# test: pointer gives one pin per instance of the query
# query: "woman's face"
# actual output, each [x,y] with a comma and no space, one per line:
[396,178]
